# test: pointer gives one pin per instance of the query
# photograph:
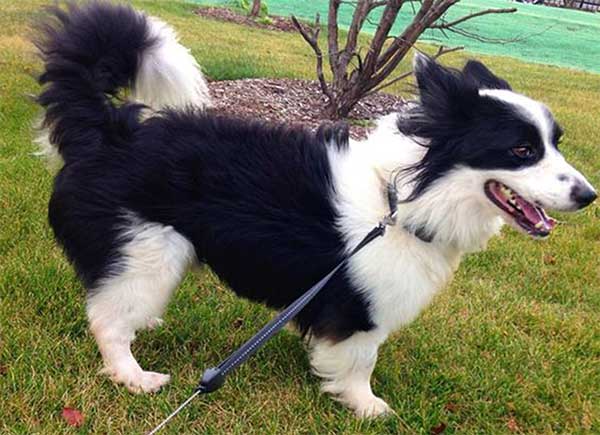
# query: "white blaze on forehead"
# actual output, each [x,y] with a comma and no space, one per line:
[535,112]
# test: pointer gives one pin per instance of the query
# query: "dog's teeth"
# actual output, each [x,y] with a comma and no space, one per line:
[512,202]
[506,191]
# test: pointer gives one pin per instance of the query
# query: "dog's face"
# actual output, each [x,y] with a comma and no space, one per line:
[500,146]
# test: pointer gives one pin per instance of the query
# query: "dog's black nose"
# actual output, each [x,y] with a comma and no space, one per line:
[583,195]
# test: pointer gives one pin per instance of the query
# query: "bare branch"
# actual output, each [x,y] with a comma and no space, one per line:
[402,40]
[429,13]
[374,4]
[377,4]
[311,36]
[440,52]
[332,35]
[480,38]
[445,50]
[359,59]
[390,83]
[358,19]
[447,25]
[353,79]
[386,22]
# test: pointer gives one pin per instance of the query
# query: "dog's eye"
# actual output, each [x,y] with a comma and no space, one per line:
[523,152]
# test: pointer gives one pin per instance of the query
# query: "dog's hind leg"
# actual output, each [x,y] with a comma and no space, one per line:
[346,369]
[155,259]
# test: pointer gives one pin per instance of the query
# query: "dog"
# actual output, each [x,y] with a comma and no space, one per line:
[144,195]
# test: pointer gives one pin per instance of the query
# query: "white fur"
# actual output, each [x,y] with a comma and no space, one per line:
[346,368]
[550,181]
[168,75]
[156,259]
[400,271]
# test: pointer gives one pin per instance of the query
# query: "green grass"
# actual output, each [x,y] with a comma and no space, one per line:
[515,337]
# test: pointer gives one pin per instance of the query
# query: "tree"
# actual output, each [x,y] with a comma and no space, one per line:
[255,10]
[359,71]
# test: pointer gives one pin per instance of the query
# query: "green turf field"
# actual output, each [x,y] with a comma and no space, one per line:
[553,36]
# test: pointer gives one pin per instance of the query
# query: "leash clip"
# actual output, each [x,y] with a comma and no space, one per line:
[389,220]
[392,197]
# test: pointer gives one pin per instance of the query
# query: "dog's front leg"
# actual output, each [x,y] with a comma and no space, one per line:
[346,367]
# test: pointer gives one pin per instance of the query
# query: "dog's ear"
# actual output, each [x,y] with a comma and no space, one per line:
[432,78]
[444,93]
[440,88]
[447,101]
[482,77]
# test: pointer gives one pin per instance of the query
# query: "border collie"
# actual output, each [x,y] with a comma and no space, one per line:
[144,195]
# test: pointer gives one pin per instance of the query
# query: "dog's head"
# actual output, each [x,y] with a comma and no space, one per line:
[490,148]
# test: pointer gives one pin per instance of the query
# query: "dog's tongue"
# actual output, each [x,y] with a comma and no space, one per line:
[535,215]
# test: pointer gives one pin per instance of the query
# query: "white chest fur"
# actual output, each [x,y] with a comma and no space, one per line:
[398,273]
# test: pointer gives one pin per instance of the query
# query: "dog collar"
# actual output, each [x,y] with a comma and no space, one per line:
[420,232]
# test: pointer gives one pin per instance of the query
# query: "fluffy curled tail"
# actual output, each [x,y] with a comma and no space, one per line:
[90,53]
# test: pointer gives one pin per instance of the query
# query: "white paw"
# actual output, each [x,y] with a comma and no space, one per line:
[154,322]
[372,407]
[138,381]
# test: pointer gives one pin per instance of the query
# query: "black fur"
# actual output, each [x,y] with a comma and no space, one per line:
[85,65]
[460,127]
[479,75]
[336,134]
[253,199]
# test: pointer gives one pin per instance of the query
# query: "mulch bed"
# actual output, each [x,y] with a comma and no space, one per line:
[225,14]
[285,100]
[294,102]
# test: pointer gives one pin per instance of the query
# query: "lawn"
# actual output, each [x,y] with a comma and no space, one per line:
[513,345]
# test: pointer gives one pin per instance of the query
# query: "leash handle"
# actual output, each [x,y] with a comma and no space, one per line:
[214,377]
[212,380]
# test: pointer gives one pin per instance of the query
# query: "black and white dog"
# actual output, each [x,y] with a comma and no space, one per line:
[144,195]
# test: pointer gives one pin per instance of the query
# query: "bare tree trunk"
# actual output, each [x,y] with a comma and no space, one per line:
[354,77]
[255,11]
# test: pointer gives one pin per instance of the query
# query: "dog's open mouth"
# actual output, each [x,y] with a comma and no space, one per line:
[527,216]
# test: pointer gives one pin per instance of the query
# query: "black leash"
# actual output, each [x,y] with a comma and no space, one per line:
[214,377]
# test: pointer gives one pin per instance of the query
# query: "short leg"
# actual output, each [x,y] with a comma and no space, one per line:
[346,369]
[154,262]
[114,339]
